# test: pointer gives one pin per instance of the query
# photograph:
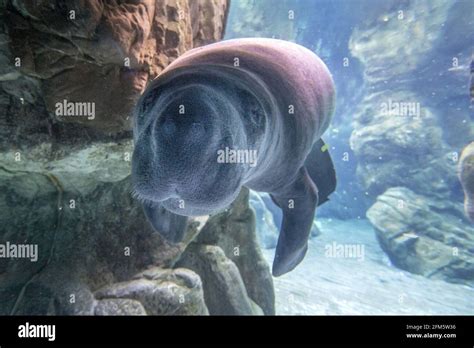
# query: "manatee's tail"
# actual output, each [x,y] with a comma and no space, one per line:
[321,170]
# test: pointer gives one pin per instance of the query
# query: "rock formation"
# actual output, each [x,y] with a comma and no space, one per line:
[233,232]
[103,52]
[424,235]
[403,128]
[158,291]
[267,231]
[413,118]
[64,181]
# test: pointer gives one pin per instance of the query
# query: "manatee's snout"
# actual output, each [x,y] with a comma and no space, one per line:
[178,139]
[173,153]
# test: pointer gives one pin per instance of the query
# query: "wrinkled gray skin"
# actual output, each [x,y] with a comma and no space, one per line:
[238,94]
[466,176]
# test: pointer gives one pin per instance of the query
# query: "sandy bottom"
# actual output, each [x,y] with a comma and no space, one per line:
[363,282]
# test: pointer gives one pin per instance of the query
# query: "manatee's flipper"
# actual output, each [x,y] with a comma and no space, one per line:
[298,202]
[171,226]
[321,170]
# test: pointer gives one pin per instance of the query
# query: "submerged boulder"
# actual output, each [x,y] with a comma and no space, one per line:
[224,289]
[119,306]
[267,231]
[234,232]
[159,291]
[424,235]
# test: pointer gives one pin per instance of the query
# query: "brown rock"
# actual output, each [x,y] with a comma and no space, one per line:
[105,52]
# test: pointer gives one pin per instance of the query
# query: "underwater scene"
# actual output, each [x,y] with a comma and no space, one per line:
[237,157]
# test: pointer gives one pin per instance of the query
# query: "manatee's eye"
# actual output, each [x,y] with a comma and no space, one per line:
[168,126]
[162,120]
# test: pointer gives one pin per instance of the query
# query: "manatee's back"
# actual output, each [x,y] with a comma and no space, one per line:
[294,74]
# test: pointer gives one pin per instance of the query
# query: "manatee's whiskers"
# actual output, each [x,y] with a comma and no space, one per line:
[139,197]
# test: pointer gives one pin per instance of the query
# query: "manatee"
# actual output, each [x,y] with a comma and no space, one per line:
[471,88]
[466,176]
[243,112]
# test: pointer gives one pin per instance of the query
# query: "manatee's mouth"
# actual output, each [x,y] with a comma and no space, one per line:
[143,198]
[181,207]
[145,193]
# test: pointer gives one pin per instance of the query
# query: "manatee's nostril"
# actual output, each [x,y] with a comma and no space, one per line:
[169,127]
[174,191]
[197,128]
